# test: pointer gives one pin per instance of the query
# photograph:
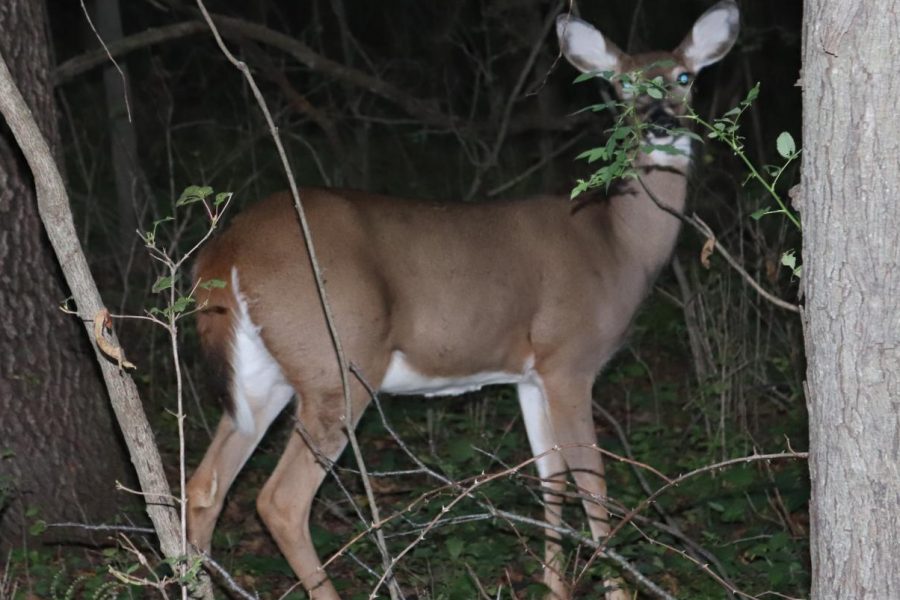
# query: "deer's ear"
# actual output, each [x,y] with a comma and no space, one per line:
[585,47]
[712,37]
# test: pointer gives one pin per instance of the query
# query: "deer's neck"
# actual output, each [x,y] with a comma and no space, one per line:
[644,232]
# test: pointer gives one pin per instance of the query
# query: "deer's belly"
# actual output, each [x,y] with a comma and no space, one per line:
[403,378]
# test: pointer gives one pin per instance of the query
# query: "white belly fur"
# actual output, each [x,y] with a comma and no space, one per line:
[402,378]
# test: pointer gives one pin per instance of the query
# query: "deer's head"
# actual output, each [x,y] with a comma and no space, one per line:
[711,37]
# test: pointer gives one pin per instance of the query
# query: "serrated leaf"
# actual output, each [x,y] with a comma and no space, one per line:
[163,283]
[789,260]
[193,193]
[594,154]
[181,304]
[785,145]
[579,188]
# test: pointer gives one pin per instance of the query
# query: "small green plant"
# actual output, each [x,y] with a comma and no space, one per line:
[628,137]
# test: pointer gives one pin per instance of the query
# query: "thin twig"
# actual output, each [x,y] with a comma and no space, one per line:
[323,296]
[227,578]
[109,57]
[511,100]
[704,230]
[103,527]
[680,479]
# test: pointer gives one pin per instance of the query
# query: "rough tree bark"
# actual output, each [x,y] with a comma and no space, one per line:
[851,260]
[54,417]
[53,208]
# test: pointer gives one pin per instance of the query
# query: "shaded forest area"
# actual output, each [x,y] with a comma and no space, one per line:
[456,101]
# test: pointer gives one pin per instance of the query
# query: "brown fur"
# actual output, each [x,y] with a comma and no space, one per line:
[459,289]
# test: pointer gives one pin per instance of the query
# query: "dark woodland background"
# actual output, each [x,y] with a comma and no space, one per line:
[711,370]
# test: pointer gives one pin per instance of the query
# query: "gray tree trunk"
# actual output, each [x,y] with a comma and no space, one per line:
[64,451]
[122,136]
[851,260]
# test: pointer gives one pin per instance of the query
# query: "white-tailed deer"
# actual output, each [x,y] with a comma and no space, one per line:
[437,299]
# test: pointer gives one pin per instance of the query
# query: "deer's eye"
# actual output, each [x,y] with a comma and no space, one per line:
[683,78]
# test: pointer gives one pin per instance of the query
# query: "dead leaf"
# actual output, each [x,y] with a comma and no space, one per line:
[103,321]
[708,247]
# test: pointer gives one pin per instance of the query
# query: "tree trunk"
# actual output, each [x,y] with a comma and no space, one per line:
[64,454]
[851,261]
[123,147]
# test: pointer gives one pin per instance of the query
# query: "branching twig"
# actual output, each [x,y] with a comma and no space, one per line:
[704,230]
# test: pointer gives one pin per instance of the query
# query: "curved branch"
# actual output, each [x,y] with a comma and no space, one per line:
[237,28]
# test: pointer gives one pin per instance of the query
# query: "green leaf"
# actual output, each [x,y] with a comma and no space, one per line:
[789,260]
[655,93]
[752,95]
[38,527]
[594,74]
[163,283]
[222,197]
[759,214]
[580,187]
[666,148]
[194,193]
[785,144]
[455,546]
[213,283]
[181,304]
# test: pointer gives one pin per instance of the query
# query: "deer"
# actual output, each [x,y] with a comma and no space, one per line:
[436,299]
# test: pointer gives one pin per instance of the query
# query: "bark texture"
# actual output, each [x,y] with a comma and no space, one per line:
[65,456]
[53,208]
[851,257]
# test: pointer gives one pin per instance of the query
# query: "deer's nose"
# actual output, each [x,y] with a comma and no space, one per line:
[661,121]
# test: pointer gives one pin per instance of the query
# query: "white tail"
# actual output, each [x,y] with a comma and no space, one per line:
[439,299]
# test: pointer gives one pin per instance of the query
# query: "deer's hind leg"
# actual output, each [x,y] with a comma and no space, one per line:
[258,392]
[285,501]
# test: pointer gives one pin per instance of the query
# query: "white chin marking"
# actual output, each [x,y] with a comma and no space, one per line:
[664,159]
[402,378]
[259,390]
